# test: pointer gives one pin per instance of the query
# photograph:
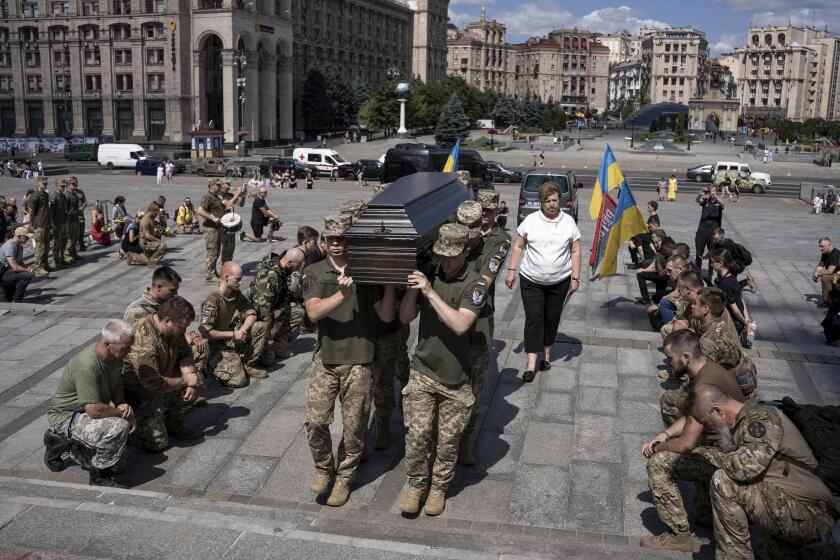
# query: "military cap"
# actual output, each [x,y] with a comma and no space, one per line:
[352,208]
[469,214]
[224,181]
[452,239]
[42,179]
[335,226]
[380,188]
[489,199]
[211,182]
[464,177]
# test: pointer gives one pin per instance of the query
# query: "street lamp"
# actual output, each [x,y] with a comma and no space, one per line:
[632,130]
[402,92]
[241,60]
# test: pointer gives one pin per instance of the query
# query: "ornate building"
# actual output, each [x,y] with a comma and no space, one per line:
[625,83]
[142,70]
[481,56]
[676,63]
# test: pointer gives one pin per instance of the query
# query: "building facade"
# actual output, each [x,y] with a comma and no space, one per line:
[620,45]
[569,66]
[625,84]
[481,56]
[140,70]
[789,72]
[675,60]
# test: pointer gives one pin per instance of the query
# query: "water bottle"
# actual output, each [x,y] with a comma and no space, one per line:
[751,332]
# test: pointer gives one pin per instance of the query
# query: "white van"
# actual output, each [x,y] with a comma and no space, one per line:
[120,155]
[321,160]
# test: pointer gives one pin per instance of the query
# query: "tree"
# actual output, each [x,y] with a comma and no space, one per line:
[453,123]
[382,110]
[359,93]
[504,113]
[316,102]
[679,124]
[341,100]
[553,119]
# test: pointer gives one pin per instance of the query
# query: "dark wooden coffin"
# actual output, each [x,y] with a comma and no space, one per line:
[394,235]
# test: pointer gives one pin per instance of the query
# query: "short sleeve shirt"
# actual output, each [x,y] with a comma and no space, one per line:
[73,201]
[731,290]
[711,215]
[11,249]
[218,311]
[713,374]
[346,335]
[214,206]
[548,252]
[87,379]
[257,216]
[441,354]
[832,258]
[151,358]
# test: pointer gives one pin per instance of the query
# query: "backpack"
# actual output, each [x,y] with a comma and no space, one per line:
[742,255]
[820,426]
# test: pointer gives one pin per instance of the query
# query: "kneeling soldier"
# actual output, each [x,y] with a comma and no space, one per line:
[82,419]
[439,394]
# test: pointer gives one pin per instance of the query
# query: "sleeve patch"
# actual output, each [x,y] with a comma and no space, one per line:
[494,265]
[479,294]
[757,429]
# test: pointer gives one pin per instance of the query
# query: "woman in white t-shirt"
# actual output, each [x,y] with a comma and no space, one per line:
[550,241]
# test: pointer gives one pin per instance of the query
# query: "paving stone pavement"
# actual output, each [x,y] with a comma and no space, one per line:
[558,455]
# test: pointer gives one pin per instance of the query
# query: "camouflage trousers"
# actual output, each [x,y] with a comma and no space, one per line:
[788,523]
[226,359]
[351,384]
[479,362]
[428,404]
[152,415]
[59,232]
[153,250]
[228,244]
[136,258]
[42,247]
[213,246]
[384,371]
[72,239]
[402,365]
[106,437]
[277,334]
[665,468]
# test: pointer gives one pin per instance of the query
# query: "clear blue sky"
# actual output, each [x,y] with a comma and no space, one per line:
[724,21]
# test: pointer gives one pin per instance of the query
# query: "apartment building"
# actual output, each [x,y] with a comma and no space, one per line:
[620,45]
[675,61]
[625,83]
[481,56]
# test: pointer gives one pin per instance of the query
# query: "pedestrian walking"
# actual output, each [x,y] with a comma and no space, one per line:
[160,172]
[663,189]
[672,189]
[169,170]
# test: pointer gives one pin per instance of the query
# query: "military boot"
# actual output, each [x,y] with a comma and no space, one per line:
[283,353]
[42,272]
[56,446]
[255,372]
[410,501]
[340,492]
[176,428]
[466,451]
[103,477]
[382,436]
[683,542]
[435,502]
[320,482]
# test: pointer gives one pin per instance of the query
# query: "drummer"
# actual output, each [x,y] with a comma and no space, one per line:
[212,209]
[230,200]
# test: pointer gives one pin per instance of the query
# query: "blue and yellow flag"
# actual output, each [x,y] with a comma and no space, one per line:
[452,161]
[628,221]
[609,177]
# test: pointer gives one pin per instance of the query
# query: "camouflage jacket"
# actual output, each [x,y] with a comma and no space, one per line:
[720,345]
[151,358]
[269,289]
[58,209]
[141,308]
[218,313]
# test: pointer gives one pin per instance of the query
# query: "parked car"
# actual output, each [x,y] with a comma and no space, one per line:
[760,181]
[279,165]
[119,155]
[322,160]
[529,200]
[80,152]
[502,174]
[217,166]
[372,167]
[405,159]
[149,166]
[700,173]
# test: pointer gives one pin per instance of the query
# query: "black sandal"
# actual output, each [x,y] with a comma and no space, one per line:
[545,365]
[528,375]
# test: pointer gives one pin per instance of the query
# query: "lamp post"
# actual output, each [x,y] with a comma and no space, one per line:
[402,92]
[632,130]
[240,59]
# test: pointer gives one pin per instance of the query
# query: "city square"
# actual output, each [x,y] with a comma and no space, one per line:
[396,279]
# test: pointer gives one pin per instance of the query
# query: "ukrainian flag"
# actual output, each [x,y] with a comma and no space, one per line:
[628,221]
[609,177]
[452,161]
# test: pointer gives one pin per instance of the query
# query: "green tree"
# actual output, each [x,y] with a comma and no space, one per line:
[553,119]
[381,112]
[359,93]
[453,123]
[504,113]
[679,124]
[316,102]
[341,100]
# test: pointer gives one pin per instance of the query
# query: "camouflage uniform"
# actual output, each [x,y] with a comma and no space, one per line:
[80,239]
[151,358]
[439,393]
[385,359]
[58,214]
[268,292]
[341,366]
[39,215]
[153,250]
[793,506]
[212,203]
[73,204]
[226,358]
[146,305]
[353,209]
[682,308]
[227,240]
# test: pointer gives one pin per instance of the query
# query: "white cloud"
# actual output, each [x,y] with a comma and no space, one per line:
[469,2]
[615,20]
[817,13]
[726,42]
[461,19]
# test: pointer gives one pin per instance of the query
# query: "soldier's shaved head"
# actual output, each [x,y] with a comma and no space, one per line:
[295,255]
[231,268]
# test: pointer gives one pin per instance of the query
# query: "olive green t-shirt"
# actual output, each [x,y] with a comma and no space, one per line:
[87,379]
[441,354]
[346,335]
[487,260]
[214,206]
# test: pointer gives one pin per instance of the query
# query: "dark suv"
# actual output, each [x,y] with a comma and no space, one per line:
[502,174]
[405,159]
[529,200]
[372,167]
[279,165]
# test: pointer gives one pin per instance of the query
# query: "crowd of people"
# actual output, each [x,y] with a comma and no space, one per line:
[749,462]
[825,202]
